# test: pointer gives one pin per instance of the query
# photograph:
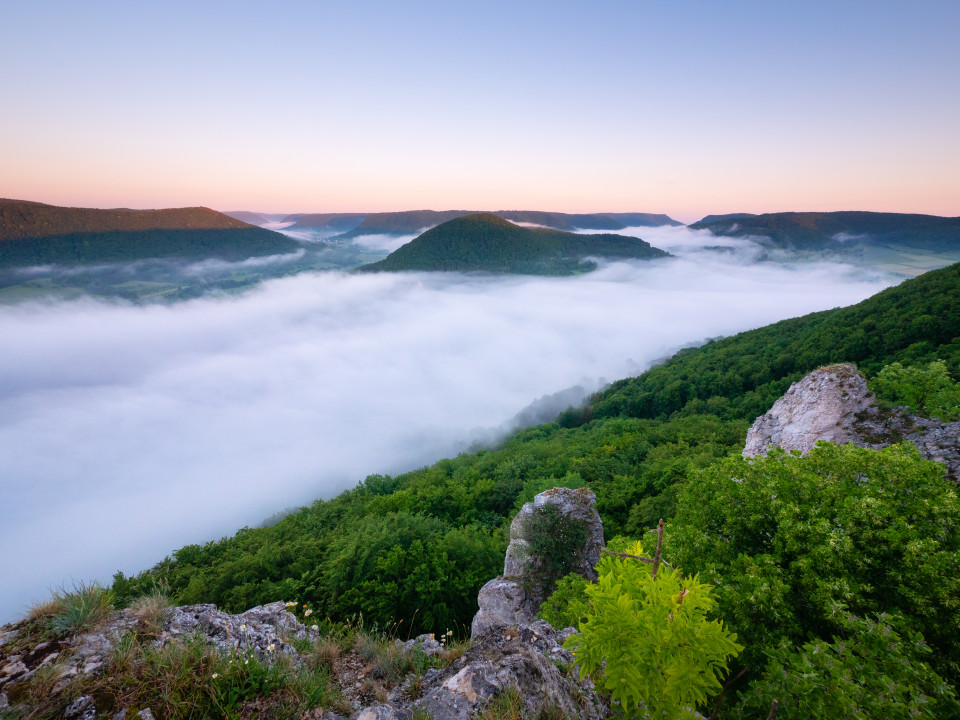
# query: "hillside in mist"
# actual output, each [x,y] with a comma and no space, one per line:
[653,447]
[37,234]
[839,230]
[484,241]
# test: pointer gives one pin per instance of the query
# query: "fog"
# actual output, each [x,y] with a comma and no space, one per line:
[128,431]
[385,243]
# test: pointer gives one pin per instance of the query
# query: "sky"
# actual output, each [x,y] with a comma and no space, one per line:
[684,107]
[129,431]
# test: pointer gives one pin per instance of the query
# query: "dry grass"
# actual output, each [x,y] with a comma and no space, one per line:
[151,611]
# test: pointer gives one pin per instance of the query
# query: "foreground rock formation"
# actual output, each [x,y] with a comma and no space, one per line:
[833,404]
[511,650]
[516,596]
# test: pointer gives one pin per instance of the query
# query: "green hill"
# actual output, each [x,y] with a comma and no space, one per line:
[487,242]
[414,221]
[832,230]
[37,234]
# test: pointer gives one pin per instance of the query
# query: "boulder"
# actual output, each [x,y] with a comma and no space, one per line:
[833,404]
[527,658]
[528,579]
[822,406]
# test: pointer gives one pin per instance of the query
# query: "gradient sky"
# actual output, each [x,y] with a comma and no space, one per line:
[668,106]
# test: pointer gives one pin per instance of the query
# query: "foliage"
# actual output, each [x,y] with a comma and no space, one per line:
[567,606]
[555,539]
[928,390]
[651,639]
[869,671]
[785,538]
[743,375]
[484,241]
[395,536]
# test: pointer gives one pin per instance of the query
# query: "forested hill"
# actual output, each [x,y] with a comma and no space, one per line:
[741,376]
[487,242]
[37,234]
[831,230]
[416,548]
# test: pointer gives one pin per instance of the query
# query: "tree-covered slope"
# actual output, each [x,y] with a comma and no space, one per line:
[484,241]
[826,230]
[418,546]
[741,376]
[37,234]
[20,219]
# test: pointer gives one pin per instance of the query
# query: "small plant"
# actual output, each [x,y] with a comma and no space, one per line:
[648,635]
[555,539]
[326,652]
[151,610]
[85,607]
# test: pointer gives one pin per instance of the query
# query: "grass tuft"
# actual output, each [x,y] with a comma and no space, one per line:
[82,609]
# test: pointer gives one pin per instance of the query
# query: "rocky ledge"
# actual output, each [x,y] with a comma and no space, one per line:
[510,649]
[834,404]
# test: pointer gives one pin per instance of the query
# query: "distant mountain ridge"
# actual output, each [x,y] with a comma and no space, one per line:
[33,233]
[488,242]
[414,221]
[826,230]
[20,219]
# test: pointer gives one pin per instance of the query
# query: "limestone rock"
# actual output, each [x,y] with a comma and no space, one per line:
[527,658]
[834,404]
[822,406]
[82,708]
[515,598]
[501,604]
[4,701]
[382,712]
[427,644]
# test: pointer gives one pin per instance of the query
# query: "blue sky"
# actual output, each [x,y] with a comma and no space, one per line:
[679,107]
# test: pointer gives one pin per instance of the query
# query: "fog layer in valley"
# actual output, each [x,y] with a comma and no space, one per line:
[128,431]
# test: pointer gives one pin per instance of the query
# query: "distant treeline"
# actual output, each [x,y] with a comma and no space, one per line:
[108,247]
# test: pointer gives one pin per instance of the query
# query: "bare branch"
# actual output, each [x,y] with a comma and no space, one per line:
[731,681]
[773,710]
[656,555]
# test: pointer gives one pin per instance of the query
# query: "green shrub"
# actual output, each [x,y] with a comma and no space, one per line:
[650,638]
[567,606]
[928,390]
[869,671]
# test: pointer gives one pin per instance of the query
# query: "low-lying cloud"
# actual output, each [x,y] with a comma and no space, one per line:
[384,243]
[128,431]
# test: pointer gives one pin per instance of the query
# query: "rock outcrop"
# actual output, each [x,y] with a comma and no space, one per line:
[822,406]
[833,404]
[511,650]
[515,597]
[527,658]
